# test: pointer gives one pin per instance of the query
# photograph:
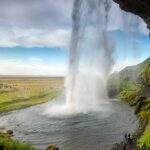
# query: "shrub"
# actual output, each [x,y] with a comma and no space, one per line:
[10,144]
[145,138]
[139,104]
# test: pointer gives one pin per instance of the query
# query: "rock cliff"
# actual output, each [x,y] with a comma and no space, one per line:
[137,7]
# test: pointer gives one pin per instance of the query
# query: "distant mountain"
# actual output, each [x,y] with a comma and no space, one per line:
[139,71]
[132,78]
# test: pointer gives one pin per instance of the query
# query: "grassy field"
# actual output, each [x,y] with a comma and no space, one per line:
[21,92]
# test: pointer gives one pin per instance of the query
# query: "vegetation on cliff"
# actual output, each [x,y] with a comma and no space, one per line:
[132,84]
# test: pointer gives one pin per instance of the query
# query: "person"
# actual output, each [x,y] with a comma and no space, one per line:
[124,146]
[143,147]
[131,139]
[125,136]
[128,138]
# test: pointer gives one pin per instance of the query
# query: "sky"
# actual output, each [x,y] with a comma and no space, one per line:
[35,35]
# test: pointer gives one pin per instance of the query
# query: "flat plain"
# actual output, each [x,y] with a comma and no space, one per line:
[19,92]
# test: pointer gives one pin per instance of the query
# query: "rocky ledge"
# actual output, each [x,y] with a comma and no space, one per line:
[137,7]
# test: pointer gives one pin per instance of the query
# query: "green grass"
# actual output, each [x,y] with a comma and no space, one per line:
[27,92]
[10,144]
[25,102]
[145,138]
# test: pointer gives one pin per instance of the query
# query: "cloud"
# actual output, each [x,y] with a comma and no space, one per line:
[34,38]
[35,59]
[33,14]
[17,67]
[39,23]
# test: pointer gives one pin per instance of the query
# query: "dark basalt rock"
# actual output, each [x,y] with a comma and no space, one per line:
[124,146]
[1,147]
[52,147]
[137,7]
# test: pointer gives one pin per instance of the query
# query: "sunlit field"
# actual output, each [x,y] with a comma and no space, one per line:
[17,93]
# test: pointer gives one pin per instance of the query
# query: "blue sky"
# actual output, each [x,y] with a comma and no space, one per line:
[130,50]
[33,61]
[53,60]
[35,35]
[51,55]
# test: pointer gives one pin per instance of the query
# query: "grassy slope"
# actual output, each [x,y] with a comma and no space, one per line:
[10,144]
[131,85]
[26,92]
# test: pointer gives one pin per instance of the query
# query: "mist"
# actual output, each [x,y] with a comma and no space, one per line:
[92,54]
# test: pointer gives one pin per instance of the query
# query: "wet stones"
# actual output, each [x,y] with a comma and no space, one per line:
[10,132]
[52,147]
[6,133]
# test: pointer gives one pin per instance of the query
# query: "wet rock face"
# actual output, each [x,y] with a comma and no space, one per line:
[1,147]
[137,7]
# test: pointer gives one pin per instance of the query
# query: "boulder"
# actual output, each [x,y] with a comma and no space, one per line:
[6,133]
[10,132]
[52,147]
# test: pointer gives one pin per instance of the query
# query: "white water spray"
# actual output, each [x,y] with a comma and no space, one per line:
[92,47]
[91,50]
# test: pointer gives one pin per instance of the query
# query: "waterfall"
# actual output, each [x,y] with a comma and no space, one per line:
[90,58]
[91,54]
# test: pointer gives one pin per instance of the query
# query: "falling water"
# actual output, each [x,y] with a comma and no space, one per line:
[92,53]
[91,50]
